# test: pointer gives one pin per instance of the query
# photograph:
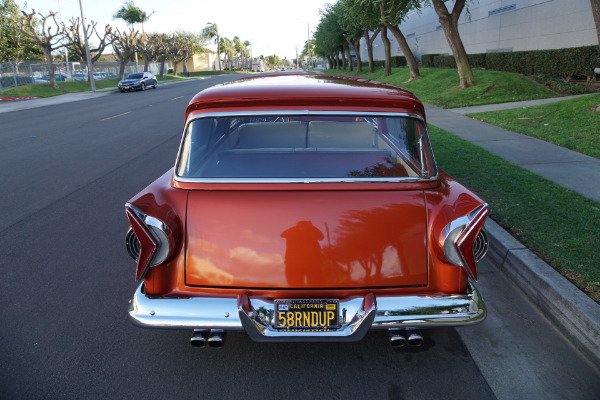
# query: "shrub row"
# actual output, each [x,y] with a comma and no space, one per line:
[564,63]
[397,61]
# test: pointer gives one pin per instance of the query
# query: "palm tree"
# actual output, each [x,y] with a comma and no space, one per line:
[247,45]
[237,46]
[211,31]
[132,14]
[227,46]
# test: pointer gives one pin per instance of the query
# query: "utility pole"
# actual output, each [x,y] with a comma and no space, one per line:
[308,44]
[66,48]
[87,51]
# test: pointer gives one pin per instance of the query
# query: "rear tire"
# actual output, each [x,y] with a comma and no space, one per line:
[143,86]
[155,84]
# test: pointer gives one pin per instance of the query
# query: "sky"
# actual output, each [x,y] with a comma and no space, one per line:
[272,27]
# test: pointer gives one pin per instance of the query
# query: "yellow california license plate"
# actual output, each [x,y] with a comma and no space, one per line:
[307,314]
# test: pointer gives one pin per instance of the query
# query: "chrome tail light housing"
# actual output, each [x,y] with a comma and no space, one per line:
[147,241]
[464,242]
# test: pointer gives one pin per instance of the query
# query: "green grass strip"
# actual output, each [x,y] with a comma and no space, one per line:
[45,90]
[572,123]
[440,86]
[559,225]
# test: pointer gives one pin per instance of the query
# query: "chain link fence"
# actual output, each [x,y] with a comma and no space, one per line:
[28,72]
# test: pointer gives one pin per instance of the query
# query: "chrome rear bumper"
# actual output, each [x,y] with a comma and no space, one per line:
[357,314]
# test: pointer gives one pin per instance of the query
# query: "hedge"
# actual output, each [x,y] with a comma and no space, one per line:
[397,61]
[564,63]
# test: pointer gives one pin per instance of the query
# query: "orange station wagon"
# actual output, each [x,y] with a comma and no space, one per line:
[305,208]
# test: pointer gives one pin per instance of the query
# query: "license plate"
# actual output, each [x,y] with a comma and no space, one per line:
[307,314]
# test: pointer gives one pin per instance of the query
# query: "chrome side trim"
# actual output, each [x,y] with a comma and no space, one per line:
[255,316]
[181,179]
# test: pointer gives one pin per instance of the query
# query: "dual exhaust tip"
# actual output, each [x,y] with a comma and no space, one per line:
[208,338]
[409,337]
[405,337]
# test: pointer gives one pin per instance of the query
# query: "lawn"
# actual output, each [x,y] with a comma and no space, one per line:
[559,225]
[45,90]
[440,87]
[573,123]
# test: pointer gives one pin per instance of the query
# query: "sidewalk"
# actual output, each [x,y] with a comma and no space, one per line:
[565,167]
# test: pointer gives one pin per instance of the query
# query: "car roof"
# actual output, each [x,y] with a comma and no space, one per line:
[304,91]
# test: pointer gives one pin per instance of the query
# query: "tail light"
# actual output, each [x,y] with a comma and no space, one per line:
[465,242]
[147,241]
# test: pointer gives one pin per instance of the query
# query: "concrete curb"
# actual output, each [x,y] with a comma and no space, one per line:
[575,315]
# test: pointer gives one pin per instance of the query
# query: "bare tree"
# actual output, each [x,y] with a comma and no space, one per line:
[162,49]
[77,41]
[48,37]
[124,45]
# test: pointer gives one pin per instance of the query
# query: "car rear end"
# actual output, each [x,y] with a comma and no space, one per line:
[306,224]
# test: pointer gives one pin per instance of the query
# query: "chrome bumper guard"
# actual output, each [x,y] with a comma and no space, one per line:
[256,316]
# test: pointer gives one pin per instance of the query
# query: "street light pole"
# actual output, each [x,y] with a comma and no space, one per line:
[87,51]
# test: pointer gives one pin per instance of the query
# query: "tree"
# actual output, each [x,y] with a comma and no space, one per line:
[247,46]
[226,46]
[393,13]
[150,45]
[366,16]
[211,31]
[449,22]
[186,44]
[596,14]
[14,45]
[162,43]
[48,37]
[237,46]
[132,14]
[349,17]
[329,36]
[76,42]
[124,45]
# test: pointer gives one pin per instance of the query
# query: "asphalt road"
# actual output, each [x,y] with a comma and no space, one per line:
[65,281]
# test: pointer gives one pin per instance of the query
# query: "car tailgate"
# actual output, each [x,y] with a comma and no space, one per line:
[306,239]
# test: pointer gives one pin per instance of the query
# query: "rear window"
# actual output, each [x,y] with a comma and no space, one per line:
[306,146]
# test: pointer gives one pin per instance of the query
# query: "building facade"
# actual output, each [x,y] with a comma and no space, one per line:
[207,61]
[499,26]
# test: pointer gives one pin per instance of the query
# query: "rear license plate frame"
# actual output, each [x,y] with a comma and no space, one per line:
[317,312]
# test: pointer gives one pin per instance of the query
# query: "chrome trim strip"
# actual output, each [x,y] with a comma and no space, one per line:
[178,178]
[255,316]
[300,112]
[303,180]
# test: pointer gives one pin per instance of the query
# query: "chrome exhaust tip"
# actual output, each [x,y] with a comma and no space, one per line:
[414,338]
[199,338]
[397,338]
[216,338]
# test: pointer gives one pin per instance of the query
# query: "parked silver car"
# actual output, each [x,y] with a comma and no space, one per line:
[138,81]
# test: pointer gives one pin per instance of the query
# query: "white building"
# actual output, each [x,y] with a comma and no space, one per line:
[498,26]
